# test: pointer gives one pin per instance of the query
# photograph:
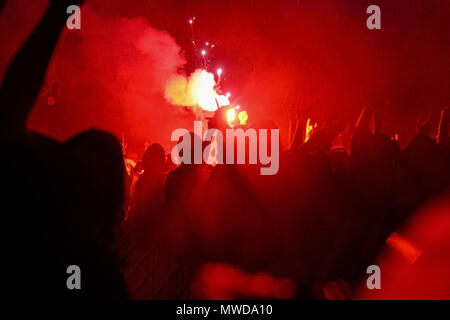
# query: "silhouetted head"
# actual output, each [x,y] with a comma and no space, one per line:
[321,139]
[154,158]
[338,159]
[188,143]
[424,127]
[103,145]
[104,153]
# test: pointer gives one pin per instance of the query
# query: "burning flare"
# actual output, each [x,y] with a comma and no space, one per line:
[197,90]
[231,115]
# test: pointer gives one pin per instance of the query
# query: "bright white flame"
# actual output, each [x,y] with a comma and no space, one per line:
[231,115]
[219,72]
[203,52]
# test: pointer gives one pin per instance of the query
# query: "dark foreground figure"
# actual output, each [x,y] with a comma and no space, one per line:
[62,202]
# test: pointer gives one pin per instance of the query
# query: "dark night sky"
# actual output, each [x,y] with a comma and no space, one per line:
[316,55]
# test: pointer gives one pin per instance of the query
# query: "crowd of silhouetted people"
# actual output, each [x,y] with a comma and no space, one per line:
[323,217]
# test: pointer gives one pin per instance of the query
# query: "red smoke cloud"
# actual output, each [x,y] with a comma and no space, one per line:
[110,74]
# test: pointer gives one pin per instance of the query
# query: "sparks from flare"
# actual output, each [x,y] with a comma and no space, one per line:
[219,73]
[200,89]
[203,56]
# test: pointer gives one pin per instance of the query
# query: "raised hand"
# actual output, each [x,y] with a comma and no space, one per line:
[25,75]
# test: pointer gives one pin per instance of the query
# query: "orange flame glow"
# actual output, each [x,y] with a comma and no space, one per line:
[243,117]
[309,129]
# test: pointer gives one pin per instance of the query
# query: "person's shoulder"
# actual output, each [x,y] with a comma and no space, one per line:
[420,141]
[172,173]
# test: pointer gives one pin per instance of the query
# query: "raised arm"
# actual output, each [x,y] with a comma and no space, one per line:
[362,126]
[25,74]
[362,132]
[443,127]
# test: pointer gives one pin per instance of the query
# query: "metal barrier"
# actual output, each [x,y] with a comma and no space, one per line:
[154,273]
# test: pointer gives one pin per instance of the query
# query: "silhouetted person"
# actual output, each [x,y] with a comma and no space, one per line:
[147,202]
[184,196]
[63,201]
[104,193]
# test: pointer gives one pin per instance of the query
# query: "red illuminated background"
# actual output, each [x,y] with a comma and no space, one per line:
[315,56]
